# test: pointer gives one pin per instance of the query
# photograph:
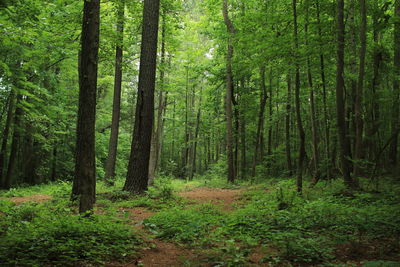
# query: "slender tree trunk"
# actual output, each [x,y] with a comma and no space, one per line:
[84,184]
[6,131]
[196,136]
[302,152]
[396,90]
[269,150]
[358,152]
[315,151]
[263,102]
[113,144]
[324,95]
[287,124]
[229,93]
[340,104]
[138,168]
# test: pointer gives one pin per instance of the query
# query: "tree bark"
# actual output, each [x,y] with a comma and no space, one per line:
[84,184]
[14,144]
[138,167]
[287,124]
[113,144]
[359,123]
[396,90]
[6,131]
[156,135]
[229,92]
[263,102]
[302,152]
[340,104]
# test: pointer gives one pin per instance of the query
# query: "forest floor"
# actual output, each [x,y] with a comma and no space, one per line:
[203,223]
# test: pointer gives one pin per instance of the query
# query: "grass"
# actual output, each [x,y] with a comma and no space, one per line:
[327,225]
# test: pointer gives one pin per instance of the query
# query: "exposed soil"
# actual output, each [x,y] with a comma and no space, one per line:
[224,197]
[33,198]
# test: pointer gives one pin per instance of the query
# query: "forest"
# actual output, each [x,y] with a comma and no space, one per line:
[200,133]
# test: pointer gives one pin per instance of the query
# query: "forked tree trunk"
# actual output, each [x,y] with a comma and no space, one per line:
[138,168]
[340,104]
[84,184]
[113,144]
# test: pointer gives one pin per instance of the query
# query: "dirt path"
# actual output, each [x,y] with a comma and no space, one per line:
[159,253]
[224,197]
[33,198]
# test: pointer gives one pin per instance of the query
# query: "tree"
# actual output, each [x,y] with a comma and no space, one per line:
[229,92]
[112,147]
[138,168]
[84,184]
[340,105]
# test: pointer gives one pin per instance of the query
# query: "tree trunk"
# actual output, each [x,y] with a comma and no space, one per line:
[302,152]
[138,168]
[287,124]
[324,95]
[84,184]
[156,135]
[113,144]
[14,144]
[340,104]
[229,92]
[6,131]
[315,152]
[263,102]
[396,90]
[359,124]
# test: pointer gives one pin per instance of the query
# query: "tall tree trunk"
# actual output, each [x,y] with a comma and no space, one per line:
[269,150]
[302,151]
[113,144]
[315,151]
[340,104]
[229,93]
[138,168]
[6,131]
[358,152]
[324,95]
[396,90]
[196,136]
[263,102]
[14,144]
[84,184]
[287,124]
[156,135]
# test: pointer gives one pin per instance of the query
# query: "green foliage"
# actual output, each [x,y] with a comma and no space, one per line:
[33,235]
[183,225]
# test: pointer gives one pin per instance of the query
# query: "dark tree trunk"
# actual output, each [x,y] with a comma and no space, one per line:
[302,152]
[6,131]
[229,92]
[14,144]
[84,184]
[113,144]
[138,168]
[287,124]
[359,123]
[156,135]
[324,95]
[340,104]
[263,102]
[396,90]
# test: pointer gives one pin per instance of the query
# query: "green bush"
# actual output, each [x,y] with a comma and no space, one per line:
[36,236]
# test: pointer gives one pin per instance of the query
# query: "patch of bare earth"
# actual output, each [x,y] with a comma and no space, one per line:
[224,197]
[34,198]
